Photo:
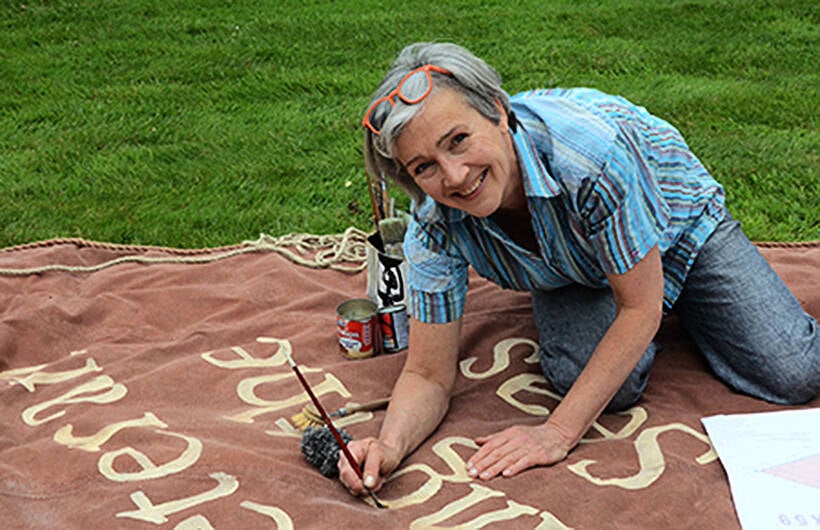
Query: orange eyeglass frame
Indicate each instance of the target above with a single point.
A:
(390, 98)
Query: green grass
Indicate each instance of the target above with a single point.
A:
(204, 123)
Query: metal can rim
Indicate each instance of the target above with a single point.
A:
(347, 305)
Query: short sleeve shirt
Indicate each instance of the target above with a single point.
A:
(605, 181)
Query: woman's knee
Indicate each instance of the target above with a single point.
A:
(783, 379)
(634, 386)
(795, 386)
(626, 397)
(562, 370)
(795, 377)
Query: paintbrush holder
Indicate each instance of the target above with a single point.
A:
(386, 274)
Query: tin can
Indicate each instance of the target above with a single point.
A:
(356, 323)
(395, 328)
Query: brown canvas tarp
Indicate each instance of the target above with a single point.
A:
(157, 394)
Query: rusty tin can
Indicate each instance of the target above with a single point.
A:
(356, 323)
(394, 327)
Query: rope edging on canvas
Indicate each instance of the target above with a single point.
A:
(788, 244)
(346, 252)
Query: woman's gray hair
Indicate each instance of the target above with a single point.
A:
(477, 81)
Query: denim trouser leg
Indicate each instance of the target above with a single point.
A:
(570, 322)
(744, 319)
(751, 328)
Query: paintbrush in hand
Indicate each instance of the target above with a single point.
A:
(329, 424)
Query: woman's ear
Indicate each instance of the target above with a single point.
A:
(507, 120)
(503, 120)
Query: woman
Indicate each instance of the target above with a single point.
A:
(602, 212)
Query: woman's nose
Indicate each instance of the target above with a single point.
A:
(454, 172)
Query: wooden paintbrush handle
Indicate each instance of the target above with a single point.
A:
(370, 405)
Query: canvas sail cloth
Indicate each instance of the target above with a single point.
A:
(157, 394)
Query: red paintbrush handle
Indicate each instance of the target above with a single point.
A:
(321, 409)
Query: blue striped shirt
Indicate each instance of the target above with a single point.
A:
(605, 182)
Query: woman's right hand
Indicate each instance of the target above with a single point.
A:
(376, 460)
(418, 402)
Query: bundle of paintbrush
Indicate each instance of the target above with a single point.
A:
(380, 201)
(390, 224)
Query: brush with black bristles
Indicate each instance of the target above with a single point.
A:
(321, 449)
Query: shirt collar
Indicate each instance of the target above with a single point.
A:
(538, 182)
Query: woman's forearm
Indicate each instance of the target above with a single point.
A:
(417, 406)
(421, 395)
(615, 357)
(638, 295)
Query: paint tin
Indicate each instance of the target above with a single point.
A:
(356, 323)
(394, 327)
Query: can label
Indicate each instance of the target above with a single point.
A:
(394, 327)
(356, 328)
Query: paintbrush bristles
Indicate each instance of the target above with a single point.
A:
(310, 417)
(321, 449)
(392, 230)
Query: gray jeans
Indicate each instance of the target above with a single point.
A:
(746, 322)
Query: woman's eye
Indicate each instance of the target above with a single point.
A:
(460, 137)
(422, 168)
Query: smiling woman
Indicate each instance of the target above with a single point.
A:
(602, 212)
(478, 84)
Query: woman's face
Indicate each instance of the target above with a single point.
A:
(460, 158)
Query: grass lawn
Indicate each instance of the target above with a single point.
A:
(202, 123)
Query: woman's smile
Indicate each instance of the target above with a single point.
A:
(469, 193)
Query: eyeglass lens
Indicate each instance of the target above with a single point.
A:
(411, 90)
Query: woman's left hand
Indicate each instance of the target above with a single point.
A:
(517, 448)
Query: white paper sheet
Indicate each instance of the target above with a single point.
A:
(773, 463)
